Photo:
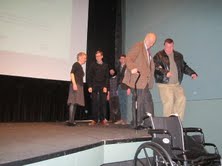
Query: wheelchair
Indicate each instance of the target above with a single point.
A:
(173, 145)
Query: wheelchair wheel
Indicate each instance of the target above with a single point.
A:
(152, 154)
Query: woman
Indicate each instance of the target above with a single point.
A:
(76, 93)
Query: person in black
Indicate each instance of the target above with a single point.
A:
(76, 94)
(113, 97)
(98, 81)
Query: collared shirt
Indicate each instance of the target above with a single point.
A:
(148, 53)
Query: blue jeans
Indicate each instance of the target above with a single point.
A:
(125, 102)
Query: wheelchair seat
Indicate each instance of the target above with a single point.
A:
(175, 145)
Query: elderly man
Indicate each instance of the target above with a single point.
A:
(139, 61)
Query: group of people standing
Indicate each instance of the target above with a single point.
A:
(128, 86)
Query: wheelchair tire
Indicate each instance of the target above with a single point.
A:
(160, 156)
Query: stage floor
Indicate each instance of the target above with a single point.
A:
(27, 142)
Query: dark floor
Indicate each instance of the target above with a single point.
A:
(23, 142)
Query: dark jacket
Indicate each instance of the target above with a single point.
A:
(162, 67)
(98, 76)
(137, 58)
(120, 76)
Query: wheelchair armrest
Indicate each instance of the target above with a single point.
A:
(209, 144)
(212, 145)
(192, 129)
(158, 131)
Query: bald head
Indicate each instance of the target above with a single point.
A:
(150, 39)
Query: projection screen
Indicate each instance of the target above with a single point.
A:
(40, 38)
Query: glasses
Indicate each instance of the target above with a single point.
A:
(98, 56)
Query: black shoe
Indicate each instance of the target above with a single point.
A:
(71, 124)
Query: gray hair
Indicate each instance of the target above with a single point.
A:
(80, 54)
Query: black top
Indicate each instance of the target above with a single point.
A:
(113, 86)
(78, 72)
(120, 76)
(98, 75)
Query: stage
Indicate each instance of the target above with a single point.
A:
(24, 143)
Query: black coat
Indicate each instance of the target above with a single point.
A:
(162, 67)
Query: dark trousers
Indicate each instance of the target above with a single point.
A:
(114, 108)
(98, 104)
(72, 112)
(143, 105)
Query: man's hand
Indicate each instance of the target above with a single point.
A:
(134, 71)
(128, 91)
(169, 74)
(194, 76)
